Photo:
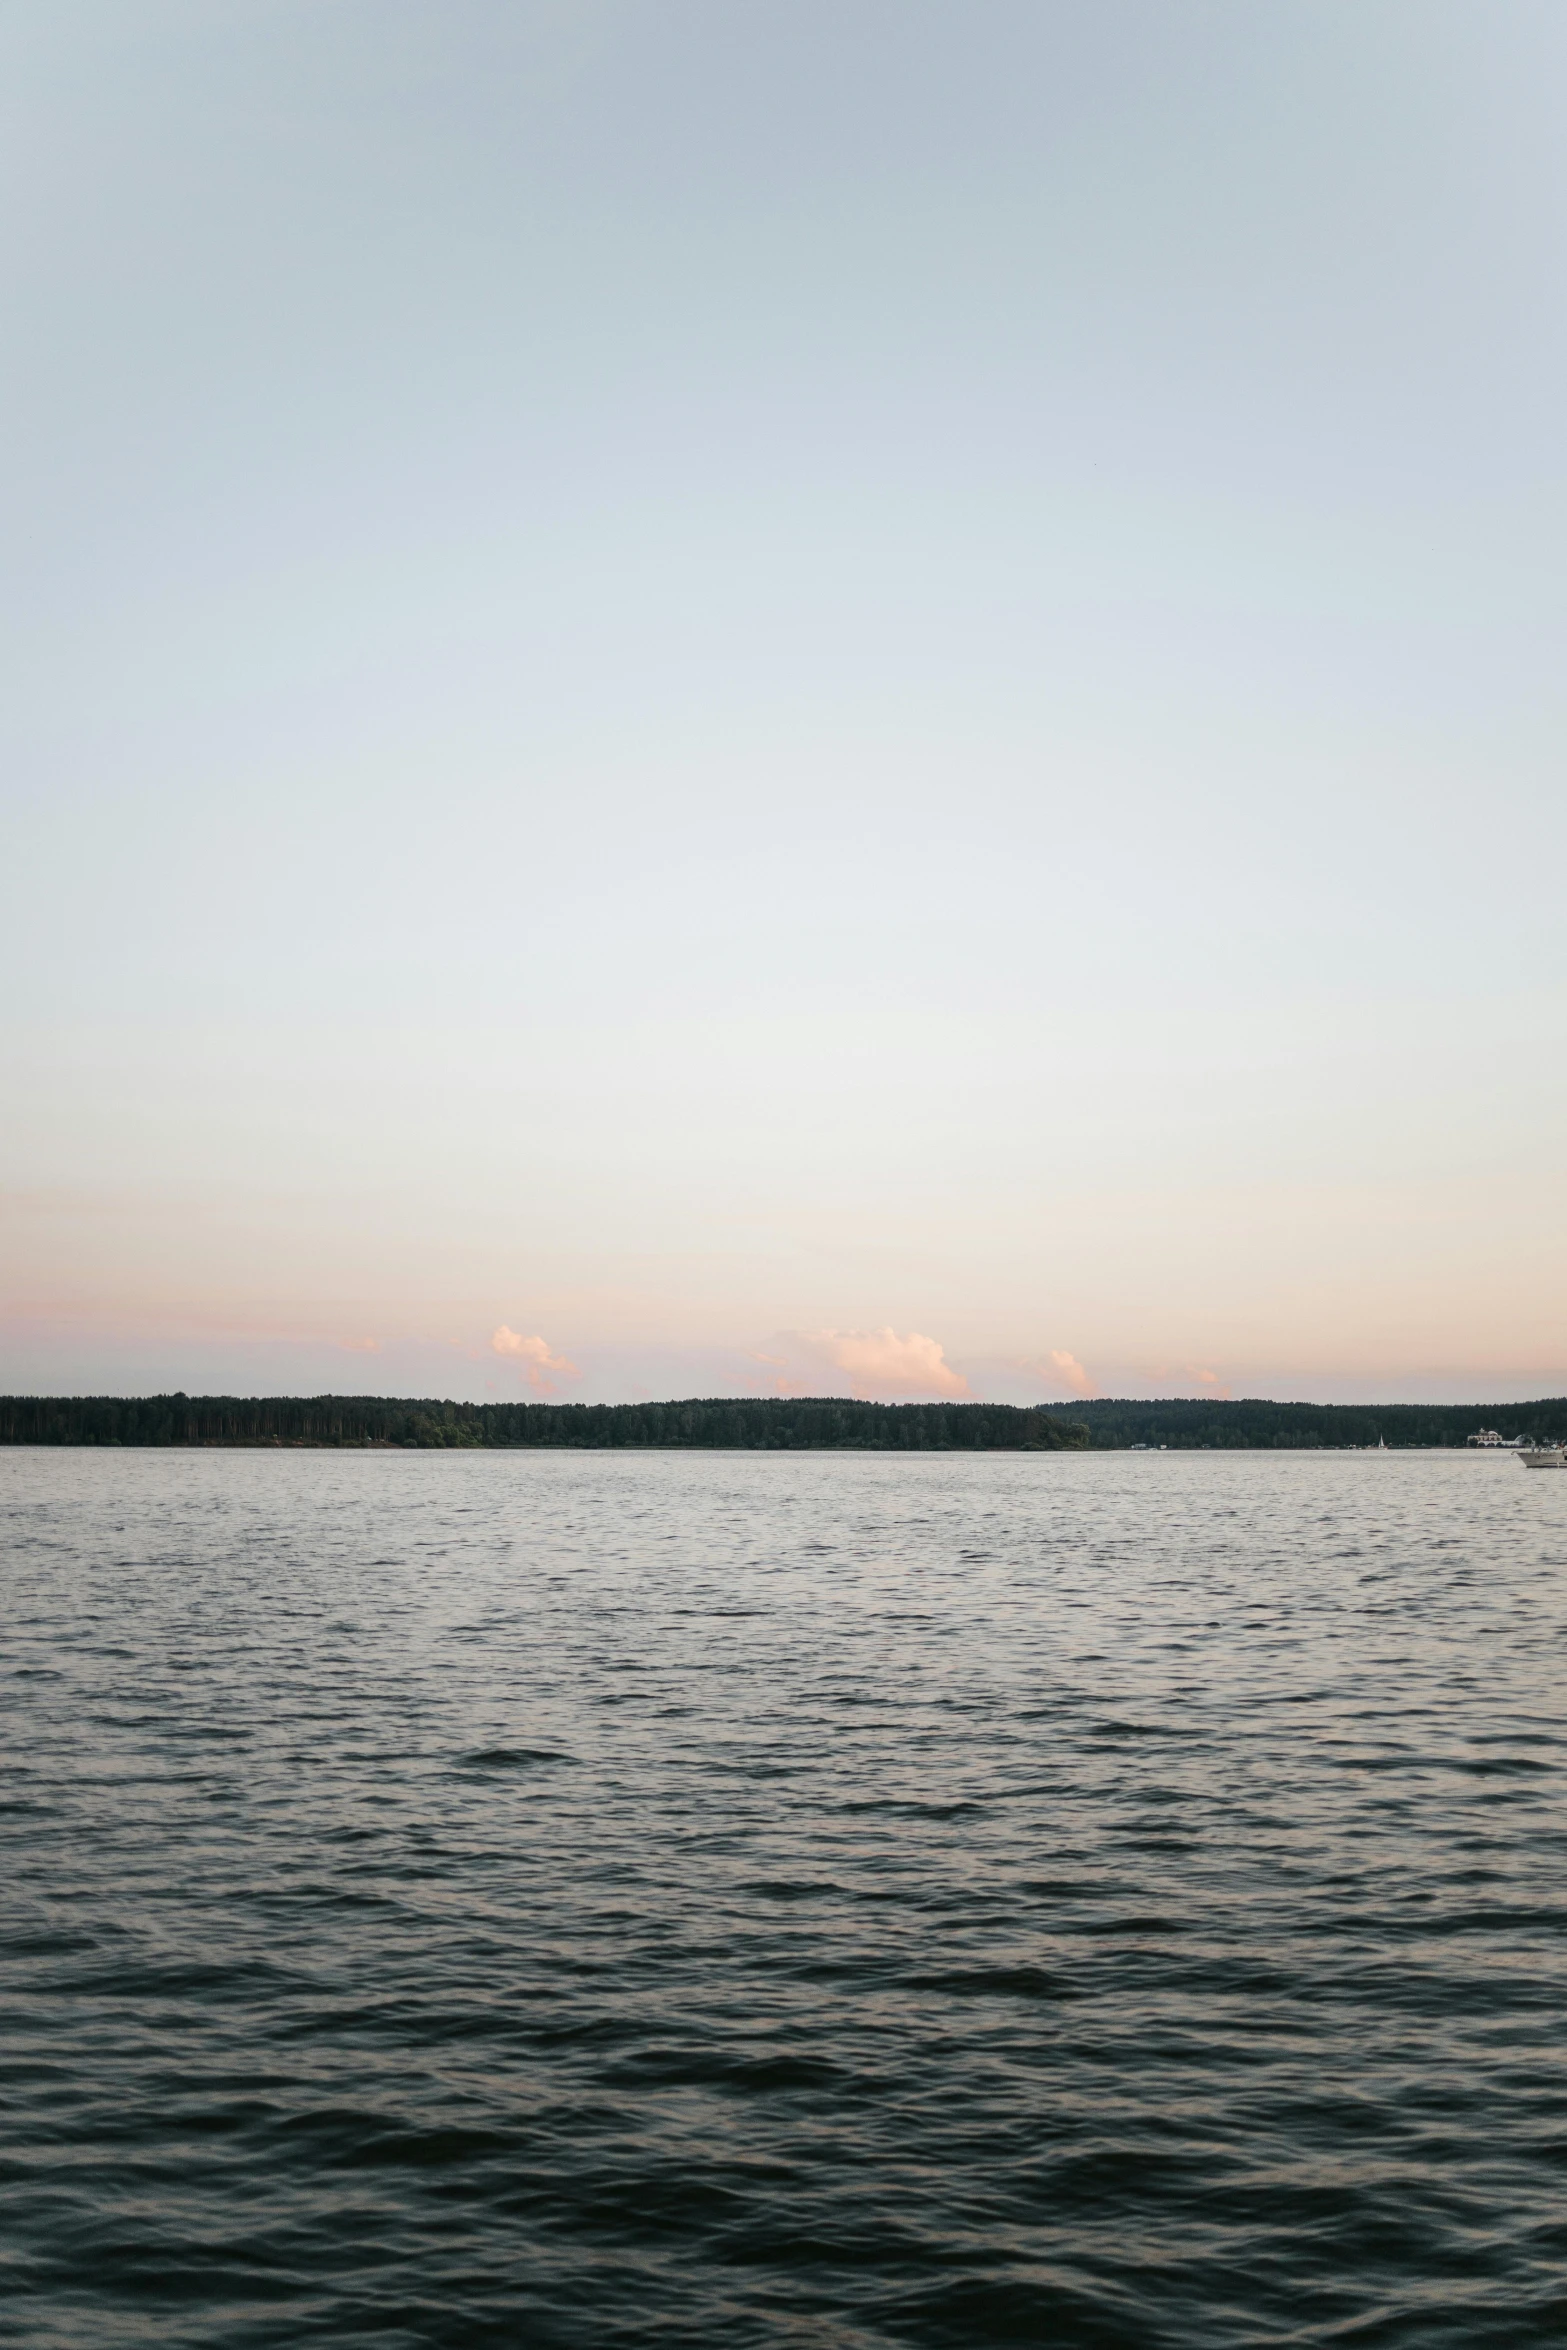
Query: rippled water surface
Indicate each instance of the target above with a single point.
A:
(788, 1901)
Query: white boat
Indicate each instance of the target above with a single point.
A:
(1541, 1456)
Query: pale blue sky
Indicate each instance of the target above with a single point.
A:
(693, 677)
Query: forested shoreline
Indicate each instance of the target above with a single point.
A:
(735, 1423)
(758, 1424)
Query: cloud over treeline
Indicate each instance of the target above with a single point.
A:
(878, 1366)
(535, 1353)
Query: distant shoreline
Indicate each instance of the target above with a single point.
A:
(757, 1424)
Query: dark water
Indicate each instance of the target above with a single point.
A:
(658, 1900)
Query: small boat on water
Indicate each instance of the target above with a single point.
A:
(1542, 1456)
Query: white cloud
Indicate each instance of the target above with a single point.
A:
(882, 1366)
(1062, 1371)
(536, 1354)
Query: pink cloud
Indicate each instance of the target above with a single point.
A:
(780, 1375)
(535, 1353)
(1190, 1378)
(883, 1367)
(1071, 1372)
(1059, 1369)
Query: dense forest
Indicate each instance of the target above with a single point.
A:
(750, 1423)
(760, 1424)
(1196, 1423)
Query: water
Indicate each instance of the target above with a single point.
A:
(828, 1901)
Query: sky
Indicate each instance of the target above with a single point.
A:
(783, 698)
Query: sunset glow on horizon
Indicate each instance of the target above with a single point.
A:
(813, 702)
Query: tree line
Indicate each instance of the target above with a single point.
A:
(1200, 1423)
(760, 1423)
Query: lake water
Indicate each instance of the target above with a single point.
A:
(818, 1902)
